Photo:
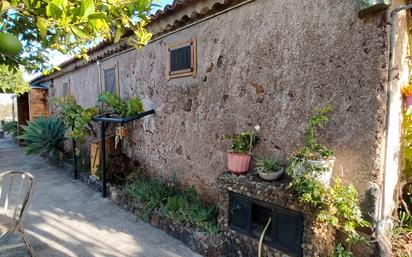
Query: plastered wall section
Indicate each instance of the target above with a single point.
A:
(84, 85)
(400, 76)
(269, 63)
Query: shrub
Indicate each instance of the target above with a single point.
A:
(44, 135)
(10, 128)
(77, 118)
(125, 108)
(153, 193)
(186, 206)
(173, 203)
(338, 205)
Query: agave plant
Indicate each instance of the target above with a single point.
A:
(44, 135)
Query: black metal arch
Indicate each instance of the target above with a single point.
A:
(105, 119)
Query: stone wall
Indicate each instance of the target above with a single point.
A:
(317, 239)
(268, 63)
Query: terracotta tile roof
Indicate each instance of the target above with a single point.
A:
(177, 4)
(178, 14)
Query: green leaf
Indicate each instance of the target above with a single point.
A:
(98, 15)
(118, 33)
(87, 7)
(14, 3)
(42, 25)
(80, 32)
(4, 7)
(27, 4)
(52, 10)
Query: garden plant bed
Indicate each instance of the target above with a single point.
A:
(199, 241)
(317, 238)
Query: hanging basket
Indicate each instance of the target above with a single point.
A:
(122, 132)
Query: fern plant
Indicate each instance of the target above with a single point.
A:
(44, 135)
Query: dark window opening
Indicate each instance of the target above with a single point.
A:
(110, 81)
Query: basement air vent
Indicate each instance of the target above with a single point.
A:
(249, 217)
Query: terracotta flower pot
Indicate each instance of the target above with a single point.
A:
(238, 163)
(121, 132)
(408, 101)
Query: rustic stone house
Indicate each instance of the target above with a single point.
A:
(266, 63)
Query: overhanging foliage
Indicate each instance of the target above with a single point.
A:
(67, 25)
(12, 82)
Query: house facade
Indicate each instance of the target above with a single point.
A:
(264, 62)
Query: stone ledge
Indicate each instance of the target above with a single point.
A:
(317, 240)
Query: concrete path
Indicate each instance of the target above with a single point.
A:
(67, 218)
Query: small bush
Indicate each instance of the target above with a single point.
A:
(186, 206)
(153, 193)
(173, 203)
(10, 128)
(44, 135)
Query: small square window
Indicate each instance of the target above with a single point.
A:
(181, 59)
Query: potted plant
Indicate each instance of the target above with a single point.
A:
(269, 169)
(407, 93)
(240, 152)
(121, 133)
(121, 108)
(314, 157)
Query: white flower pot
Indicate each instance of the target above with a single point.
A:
(325, 176)
(272, 175)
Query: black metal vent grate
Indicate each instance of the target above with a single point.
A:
(249, 216)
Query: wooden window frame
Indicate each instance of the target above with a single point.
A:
(182, 73)
(116, 73)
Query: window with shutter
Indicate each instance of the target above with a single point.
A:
(181, 59)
